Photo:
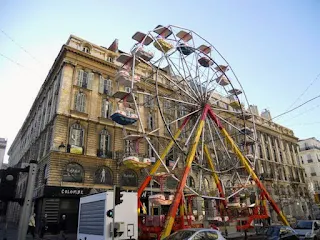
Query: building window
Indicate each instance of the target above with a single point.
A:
(150, 121)
(129, 147)
(49, 140)
(105, 86)
(80, 102)
(129, 178)
(168, 107)
(76, 135)
(84, 79)
(104, 144)
(86, 49)
(170, 158)
(148, 101)
(260, 150)
(106, 108)
(151, 154)
(191, 182)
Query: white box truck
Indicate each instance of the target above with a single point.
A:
(95, 221)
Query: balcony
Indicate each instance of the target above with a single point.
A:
(104, 154)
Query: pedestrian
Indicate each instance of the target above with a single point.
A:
(43, 226)
(309, 217)
(32, 225)
(63, 225)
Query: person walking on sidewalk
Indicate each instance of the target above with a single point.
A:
(32, 225)
(43, 226)
(63, 226)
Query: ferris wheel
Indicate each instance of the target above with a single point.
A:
(187, 102)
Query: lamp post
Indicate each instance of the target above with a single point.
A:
(61, 147)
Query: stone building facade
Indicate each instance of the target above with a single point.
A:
(78, 147)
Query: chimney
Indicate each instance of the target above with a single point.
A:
(266, 114)
(254, 109)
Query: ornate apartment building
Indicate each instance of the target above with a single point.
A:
(78, 147)
(310, 160)
(279, 166)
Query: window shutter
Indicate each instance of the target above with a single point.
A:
(107, 142)
(103, 107)
(71, 141)
(110, 109)
(101, 84)
(90, 80)
(103, 142)
(80, 77)
(81, 137)
(77, 102)
(83, 102)
(109, 86)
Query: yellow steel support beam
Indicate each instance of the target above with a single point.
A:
(247, 166)
(178, 195)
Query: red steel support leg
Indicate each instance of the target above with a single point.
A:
(177, 198)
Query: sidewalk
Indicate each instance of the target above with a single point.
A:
(12, 234)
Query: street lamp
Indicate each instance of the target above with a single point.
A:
(61, 147)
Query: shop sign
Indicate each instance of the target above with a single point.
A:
(51, 191)
(103, 175)
(73, 173)
(129, 178)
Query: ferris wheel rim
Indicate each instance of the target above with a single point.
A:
(204, 94)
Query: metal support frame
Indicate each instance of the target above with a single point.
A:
(178, 195)
(249, 169)
(158, 162)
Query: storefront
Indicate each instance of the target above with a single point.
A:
(58, 201)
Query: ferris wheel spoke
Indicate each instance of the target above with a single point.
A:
(192, 130)
(176, 120)
(235, 127)
(184, 76)
(224, 147)
(180, 101)
(158, 156)
(189, 74)
(213, 145)
(181, 89)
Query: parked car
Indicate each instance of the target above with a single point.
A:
(196, 234)
(277, 232)
(308, 229)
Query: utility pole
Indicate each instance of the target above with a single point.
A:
(114, 207)
(27, 206)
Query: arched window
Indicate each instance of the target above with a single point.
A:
(104, 144)
(76, 135)
(73, 172)
(129, 178)
(80, 102)
(103, 175)
(106, 108)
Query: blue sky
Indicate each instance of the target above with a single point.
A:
(273, 46)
